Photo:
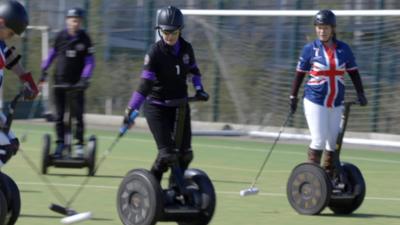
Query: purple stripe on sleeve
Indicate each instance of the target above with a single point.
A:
(193, 66)
(146, 74)
(47, 62)
(196, 80)
(89, 66)
(136, 101)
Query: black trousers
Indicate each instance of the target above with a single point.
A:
(163, 123)
(75, 100)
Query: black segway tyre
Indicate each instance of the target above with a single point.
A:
(91, 155)
(356, 187)
(139, 199)
(3, 208)
(46, 153)
(13, 198)
(308, 189)
(203, 194)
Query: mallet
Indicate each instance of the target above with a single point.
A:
(72, 216)
(252, 190)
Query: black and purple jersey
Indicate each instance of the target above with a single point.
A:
(165, 73)
(326, 67)
(73, 55)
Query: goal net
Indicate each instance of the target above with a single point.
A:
(248, 59)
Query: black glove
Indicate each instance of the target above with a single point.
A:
(202, 95)
(14, 145)
(83, 83)
(293, 104)
(362, 99)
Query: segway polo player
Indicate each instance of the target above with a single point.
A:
(164, 92)
(13, 21)
(73, 52)
(326, 59)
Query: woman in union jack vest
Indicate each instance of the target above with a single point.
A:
(326, 60)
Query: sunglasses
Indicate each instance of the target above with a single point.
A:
(167, 32)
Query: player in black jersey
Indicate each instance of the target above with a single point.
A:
(163, 87)
(73, 53)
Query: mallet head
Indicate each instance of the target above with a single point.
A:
(249, 191)
(62, 210)
(76, 218)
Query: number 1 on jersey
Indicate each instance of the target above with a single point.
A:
(178, 70)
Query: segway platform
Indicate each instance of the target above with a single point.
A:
(68, 161)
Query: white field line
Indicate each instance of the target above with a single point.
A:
(218, 192)
(235, 148)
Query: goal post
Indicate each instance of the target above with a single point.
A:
(248, 58)
(290, 13)
(44, 49)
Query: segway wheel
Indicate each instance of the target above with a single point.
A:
(13, 198)
(3, 208)
(356, 188)
(308, 189)
(91, 155)
(203, 194)
(46, 153)
(139, 199)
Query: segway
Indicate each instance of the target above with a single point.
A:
(310, 189)
(191, 201)
(68, 160)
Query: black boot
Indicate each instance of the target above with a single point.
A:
(329, 163)
(157, 174)
(314, 156)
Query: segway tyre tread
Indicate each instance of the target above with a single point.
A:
(13, 198)
(201, 186)
(357, 183)
(46, 153)
(91, 156)
(3, 208)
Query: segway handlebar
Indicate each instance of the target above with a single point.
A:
(135, 114)
(355, 102)
(196, 99)
(68, 87)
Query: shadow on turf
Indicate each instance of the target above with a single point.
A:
(58, 217)
(230, 181)
(361, 215)
(29, 191)
(82, 175)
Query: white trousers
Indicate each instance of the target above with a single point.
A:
(324, 125)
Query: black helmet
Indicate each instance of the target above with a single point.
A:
(75, 12)
(325, 17)
(169, 18)
(14, 15)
